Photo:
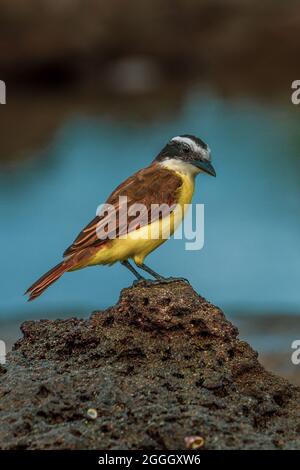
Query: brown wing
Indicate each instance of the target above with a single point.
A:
(152, 185)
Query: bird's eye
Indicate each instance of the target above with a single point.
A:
(186, 149)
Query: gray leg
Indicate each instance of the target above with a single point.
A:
(150, 271)
(160, 278)
(131, 268)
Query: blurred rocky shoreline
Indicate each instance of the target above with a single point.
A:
(135, 59)
(227, 43)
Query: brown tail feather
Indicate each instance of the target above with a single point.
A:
(46, 280)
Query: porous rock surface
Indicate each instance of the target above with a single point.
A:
(160, 366)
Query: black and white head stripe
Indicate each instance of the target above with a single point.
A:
(197, 145)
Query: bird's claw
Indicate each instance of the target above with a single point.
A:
(163, 280)
(174, 279)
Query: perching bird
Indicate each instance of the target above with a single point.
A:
(168, 181)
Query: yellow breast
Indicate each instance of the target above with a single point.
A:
(187, 189)
(138, 244)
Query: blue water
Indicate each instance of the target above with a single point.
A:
(251, 257)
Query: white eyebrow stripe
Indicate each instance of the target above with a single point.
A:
(193, 145)
(188, 141)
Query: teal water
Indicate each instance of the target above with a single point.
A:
(251, 257)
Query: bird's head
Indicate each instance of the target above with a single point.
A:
(186, 153)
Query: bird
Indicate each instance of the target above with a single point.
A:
(167, 182)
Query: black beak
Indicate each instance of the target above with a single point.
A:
(205, 166)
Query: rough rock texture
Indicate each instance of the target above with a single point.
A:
(162, 365)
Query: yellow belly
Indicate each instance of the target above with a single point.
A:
(139, 243)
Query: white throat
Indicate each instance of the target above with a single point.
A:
(180, 166)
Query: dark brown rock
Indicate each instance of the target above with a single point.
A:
(160, 366)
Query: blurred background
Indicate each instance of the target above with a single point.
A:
(94, 91)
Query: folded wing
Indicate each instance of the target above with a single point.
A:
(133, 198)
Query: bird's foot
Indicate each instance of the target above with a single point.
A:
(145, 282)
(162, 280)
(138, 282)
(174, 279)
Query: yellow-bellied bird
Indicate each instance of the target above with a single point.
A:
(167, 182)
